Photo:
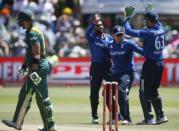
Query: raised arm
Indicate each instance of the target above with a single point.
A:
(90, 28)
(129, 12)
(89, 31)
(142, 33)
(129, 30)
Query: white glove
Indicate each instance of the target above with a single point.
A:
(23, 71)
(35, 78)
(148, 7)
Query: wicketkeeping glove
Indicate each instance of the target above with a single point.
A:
(129, 11)
(23, 70)
(35, 78)
(148, 7)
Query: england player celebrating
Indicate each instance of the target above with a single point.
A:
(100, 61)
(121, 51)
(153, 43)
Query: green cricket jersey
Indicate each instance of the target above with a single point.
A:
(35, 36)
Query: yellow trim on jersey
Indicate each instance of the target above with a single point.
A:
(35, 29)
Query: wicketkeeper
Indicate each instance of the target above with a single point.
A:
(153, 43)
(35, 68)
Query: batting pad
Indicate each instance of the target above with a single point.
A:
(45, 108)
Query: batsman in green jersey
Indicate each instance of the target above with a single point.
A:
(36, 68)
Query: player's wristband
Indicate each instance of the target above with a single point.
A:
(24, 66)
(36, 61)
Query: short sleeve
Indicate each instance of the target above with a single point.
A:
(34, 38)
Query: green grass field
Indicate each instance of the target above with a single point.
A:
(72, 110)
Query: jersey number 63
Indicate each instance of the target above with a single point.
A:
(159, 42)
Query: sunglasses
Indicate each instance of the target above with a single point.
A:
(100, 26)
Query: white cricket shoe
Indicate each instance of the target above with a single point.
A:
(149, 122)
(162, 120)
(126, 122)
(95, 121)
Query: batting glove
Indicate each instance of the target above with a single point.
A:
(23, 70)
(35, 78)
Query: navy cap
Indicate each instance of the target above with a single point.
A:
(117, 30)
(151, 16)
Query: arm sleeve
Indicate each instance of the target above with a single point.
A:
(135, 47)
(134, 32)
(89, 31)
(110, 38)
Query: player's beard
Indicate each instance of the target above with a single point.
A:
(99, 31)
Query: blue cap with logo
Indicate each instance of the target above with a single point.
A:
(117, 30)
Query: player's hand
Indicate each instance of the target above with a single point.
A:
(23, 70)
(148, 7)
(129, 12)
(35, 78)
(96, 17)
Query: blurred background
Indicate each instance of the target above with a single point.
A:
(64, 22)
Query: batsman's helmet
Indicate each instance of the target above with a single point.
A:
(26, 15)
(152, 16)
(117, 30)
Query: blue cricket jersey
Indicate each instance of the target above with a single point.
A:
(153, 40)
(122, 55)
(98, 45)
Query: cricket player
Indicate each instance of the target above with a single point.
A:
(121, 51)
(36, 69)
(100, 61)
(153, 43)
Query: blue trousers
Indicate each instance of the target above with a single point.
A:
(125, 80)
